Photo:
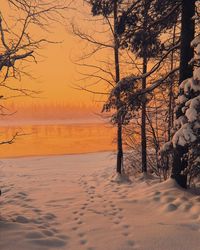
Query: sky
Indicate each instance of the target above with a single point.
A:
(55, 74)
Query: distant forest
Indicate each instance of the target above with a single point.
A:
(51, 111)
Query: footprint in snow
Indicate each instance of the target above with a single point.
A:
(83, 241)
(74, 228)
(81, 235)
(171, 207)
(79, 222)
(126, 234)
(130, 243)
(52, 242)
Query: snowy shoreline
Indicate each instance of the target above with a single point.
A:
(56, 155)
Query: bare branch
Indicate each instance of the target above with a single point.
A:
(89, 38)
(79, 87)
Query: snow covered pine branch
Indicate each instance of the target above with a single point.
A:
(187, 124)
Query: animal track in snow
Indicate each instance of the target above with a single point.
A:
(130, 243)
(79, 222)
(81, 234)
(83, 241)
(74, 228)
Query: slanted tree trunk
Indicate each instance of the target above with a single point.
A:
(186, 54)
(117, 78)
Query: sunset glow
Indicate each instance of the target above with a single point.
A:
(99, 124)
(55, 75)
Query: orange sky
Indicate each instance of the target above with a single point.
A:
(55, 72)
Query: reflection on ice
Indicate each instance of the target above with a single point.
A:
(52, 139)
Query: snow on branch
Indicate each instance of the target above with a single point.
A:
(128, 82)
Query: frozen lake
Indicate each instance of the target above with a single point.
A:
(56, 139)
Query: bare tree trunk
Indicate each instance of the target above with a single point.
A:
(171, 91)
(171, 101)
(143, 119)
(143, 124)
(117, 78)
(187, 35)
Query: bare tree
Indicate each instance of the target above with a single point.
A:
(20, 43)
(110, 73)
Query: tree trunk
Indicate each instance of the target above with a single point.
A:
(186, 71)
(117, 78)
(171, 91)
(143, 119)
(143, 124)
(187, 35)
(171, 105)
(119, 149)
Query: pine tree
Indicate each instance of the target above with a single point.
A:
(186, 54)
(187, 136)
(138, 34)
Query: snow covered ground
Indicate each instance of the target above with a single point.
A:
(72, 202)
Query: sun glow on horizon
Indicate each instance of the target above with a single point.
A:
(55, 74)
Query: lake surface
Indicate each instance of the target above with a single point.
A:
(57, 139)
